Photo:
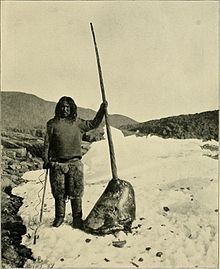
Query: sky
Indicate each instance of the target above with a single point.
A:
(158, 58)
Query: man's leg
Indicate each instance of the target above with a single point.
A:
(57, 181)
(76, 205)
(60, 206)
(75, 188)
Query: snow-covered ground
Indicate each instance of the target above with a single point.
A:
(176, 188)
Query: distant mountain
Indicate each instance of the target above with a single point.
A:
(203, 125)
(27, 111)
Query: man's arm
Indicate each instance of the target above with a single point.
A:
(87, 125)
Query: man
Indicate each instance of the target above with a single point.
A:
(62, 155)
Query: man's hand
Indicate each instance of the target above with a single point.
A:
(104, 105)
(46, 165)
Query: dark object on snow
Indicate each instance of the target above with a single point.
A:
(166, 208)
(159, 254)
(115, 209)
(119, 244)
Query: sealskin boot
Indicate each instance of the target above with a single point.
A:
(76, 205)
(60, 206)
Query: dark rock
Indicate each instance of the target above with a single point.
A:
(25, 252)
(10, 153)
(140, 259)
(20, 152)
(107, 260)
(9, 253)
(133, 263)
(15, 166)
(8, 190)
(159, 254)
(148, 248)
(119, 244)
(8, 144)
(166, 209)
(88, 240)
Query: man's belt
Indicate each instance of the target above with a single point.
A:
(61, 160)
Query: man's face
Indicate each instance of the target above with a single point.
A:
(65, 109)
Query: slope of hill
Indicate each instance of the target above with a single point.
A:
(117, 120)
(27, 111)
(200, 125)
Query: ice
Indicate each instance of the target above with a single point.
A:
(177, 174)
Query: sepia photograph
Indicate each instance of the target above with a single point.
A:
(109, 134)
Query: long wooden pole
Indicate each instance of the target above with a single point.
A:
(43, 197)
(42, 206)
(108, 128)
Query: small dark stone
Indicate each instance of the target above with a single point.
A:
(107, 260)
(164, 214)
(28, 236)
(25, 252)
(88, 240)
(188, 188)
(133, 263)
(162, 225)
(141, 260)
(159, 254)
(166, 208)
(191, 199)
(149, 228)
(119, 244)
(148, 248)
(62, 259)
(172, 231)
(216, 210)
(142, 218)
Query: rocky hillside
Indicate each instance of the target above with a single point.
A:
(16, 160)
(21, 152)
(27, 111)
(200, 125)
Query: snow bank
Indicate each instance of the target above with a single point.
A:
(175, 183)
